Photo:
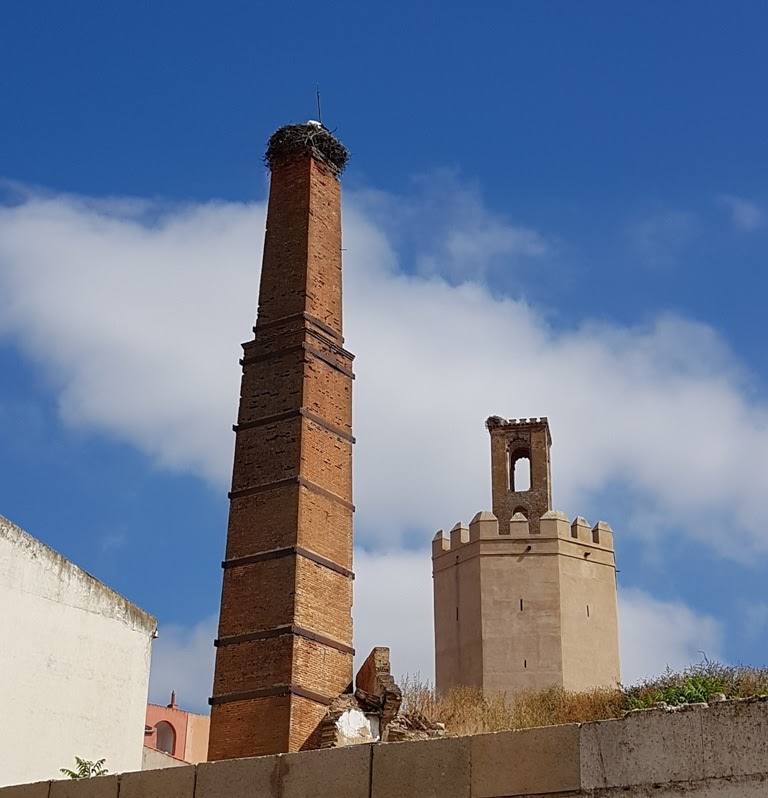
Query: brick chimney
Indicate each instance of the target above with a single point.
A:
(284, 649)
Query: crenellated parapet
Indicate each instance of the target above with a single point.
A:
(552, 525)
(499, 423)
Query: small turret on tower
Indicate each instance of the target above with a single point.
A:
(518, 443)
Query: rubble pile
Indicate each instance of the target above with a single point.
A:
(373, 712)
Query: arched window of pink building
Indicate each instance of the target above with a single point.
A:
(166, 737)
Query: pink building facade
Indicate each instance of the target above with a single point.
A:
(180, 734)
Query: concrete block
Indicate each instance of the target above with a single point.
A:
(329, 773)
(652, 746)
(37, 790)
(97, 787)
(166, 783)
(527, 762)
(427, 769)
(735, 735)
(326, 773)
(238, 778)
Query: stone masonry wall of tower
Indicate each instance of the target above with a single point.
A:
(284, 647)
(523, 598)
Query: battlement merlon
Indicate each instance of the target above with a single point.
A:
(497, 423)
(553, 524)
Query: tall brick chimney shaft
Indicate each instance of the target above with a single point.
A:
(285, 631)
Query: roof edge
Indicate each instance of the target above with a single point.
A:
(127, 611)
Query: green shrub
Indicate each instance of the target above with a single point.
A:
(85, 769)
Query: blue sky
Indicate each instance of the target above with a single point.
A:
(550, 209)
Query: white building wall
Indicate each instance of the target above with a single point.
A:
(74, 665)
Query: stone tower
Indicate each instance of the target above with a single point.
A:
(523, 599)
(284, 647)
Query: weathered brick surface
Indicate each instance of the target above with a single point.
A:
(291, 483)
(325, 527)
(254, 727)
(326, 459)
(271, 386)
(263, 521)
(323, 600)
(282, 440)
(319, 667)
(254, 664)
(323, 285)
(327, 394)
(257, 596)
(306, 716)
(283, 283)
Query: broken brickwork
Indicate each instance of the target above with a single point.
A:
(373, 712)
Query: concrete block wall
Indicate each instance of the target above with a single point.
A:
(719, 751)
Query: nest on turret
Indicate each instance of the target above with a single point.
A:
(494, 421)
(311, 138)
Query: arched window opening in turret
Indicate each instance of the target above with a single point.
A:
(520, 471)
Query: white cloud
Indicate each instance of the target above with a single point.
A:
(656, 634)
(128, 315)
(182, 660)
(450, 231)
(745, 215)
(393, 607)
(135, 312)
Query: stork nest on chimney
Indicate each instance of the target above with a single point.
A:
(312, 139)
